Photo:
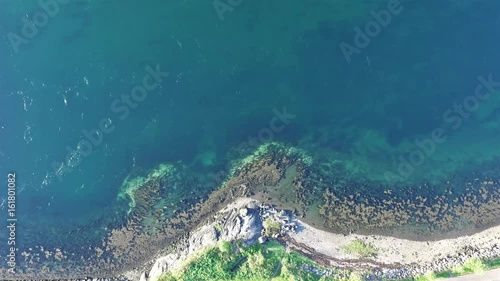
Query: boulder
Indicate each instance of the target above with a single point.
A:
(243, 212)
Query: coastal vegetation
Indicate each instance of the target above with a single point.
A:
(471, 266)
(268, 261)
(273, 261)
(360, 249)
(271, 226)
(429, 276)
(474, 265)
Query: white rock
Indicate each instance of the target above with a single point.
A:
(262, 239)
(243, 212)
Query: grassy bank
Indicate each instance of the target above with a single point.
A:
(360, 249)
(272, 261)
(472, 266)
(268, 261)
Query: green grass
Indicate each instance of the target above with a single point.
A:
(359, 248)
(355, 277)
(218, 227)
(472, 266)
(271, 226)
(490, 264)
(429, 276)
(268, 261)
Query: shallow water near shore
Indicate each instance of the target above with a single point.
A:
(404, 114)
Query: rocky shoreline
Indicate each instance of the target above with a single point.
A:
(244, 220)
(287, 178)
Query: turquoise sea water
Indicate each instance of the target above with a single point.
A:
(228, 77)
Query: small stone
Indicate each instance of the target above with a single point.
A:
(243, 212)
(253, 205)
(262, 239)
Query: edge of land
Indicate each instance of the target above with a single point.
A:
(244, 219)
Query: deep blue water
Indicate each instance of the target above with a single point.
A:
(225, 79)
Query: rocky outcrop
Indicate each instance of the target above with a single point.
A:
(244, 224)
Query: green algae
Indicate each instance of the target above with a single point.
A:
(267, 149)
(132, 184)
